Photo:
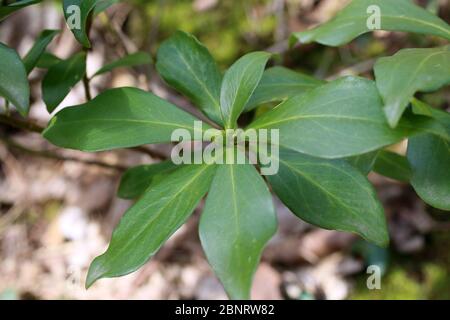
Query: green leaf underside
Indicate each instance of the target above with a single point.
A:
(86, 8)
(186, 65)
(151, 221)
(134, 59)
(47, 60)
(6, 10)
(429, 157)
(278, 84)
(237, 222)
(400, 76)
(393, 165)
(119, 118)
(331, 194)
(60, 79)
(239, 83)
(13, 79)
(340, 119)
(364, 162)
(35, 53)
(135, 181)
(351, 22)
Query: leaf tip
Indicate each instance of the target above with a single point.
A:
(96, 272)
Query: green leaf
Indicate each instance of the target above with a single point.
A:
(363, 162)
(330, 194)
(136, 180)
(237, 222)
(47, 60)
(13, 79)
(278, 84)
(151, 221)
(60, 79)
(352, 21)
(340, 119)
(410, 70)
(77, 14)
(35, 53)
(134, 59)
(6, 10)
(239, 83)
(185, 64)
(441, 116)
(429, 157)
(393, 165)
(118, 118)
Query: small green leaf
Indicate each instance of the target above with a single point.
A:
(279, 84)
(77, 13)
(35, 53)
(13, 79)
(330, 194)
(60, 79)
(410, 70)
(239, 83)
(118, 118)
(441, 116)
(363, 162)
(429, 157)
(6, 10)
(359, 17)
(392, 165)
(237, 222)
(136, 180)
(340, 119)
(134, 59)
(185, 64)
(47, 60)
(151, 221)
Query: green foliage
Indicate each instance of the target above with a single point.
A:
(410, 70)
(13, 79)
(331, 135)
(6, 10)
(60, 79)
(352, 21)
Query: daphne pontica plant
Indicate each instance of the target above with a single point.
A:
(331, 135)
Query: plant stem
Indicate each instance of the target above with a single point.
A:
(20, 124)
(7, 110)
(50, 155)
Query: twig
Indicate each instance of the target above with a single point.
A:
(50, 155)
(20, 124)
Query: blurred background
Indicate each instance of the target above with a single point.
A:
(58, 207)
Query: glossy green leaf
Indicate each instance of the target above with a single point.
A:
(340, 119)
(392, 165)
(118, 118)
(136, 180)
(363, 162)
(13, 79)
(151, 221)
(77, 14)
(239, 83)
(47, 60)
(358, 18)
(185, 64)
(134, 59)
(429, 157)
(400, 76)
(6, 10)
(237, 222)
(279, 84)
(330, 194)
(60, 79)
(35, 53)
